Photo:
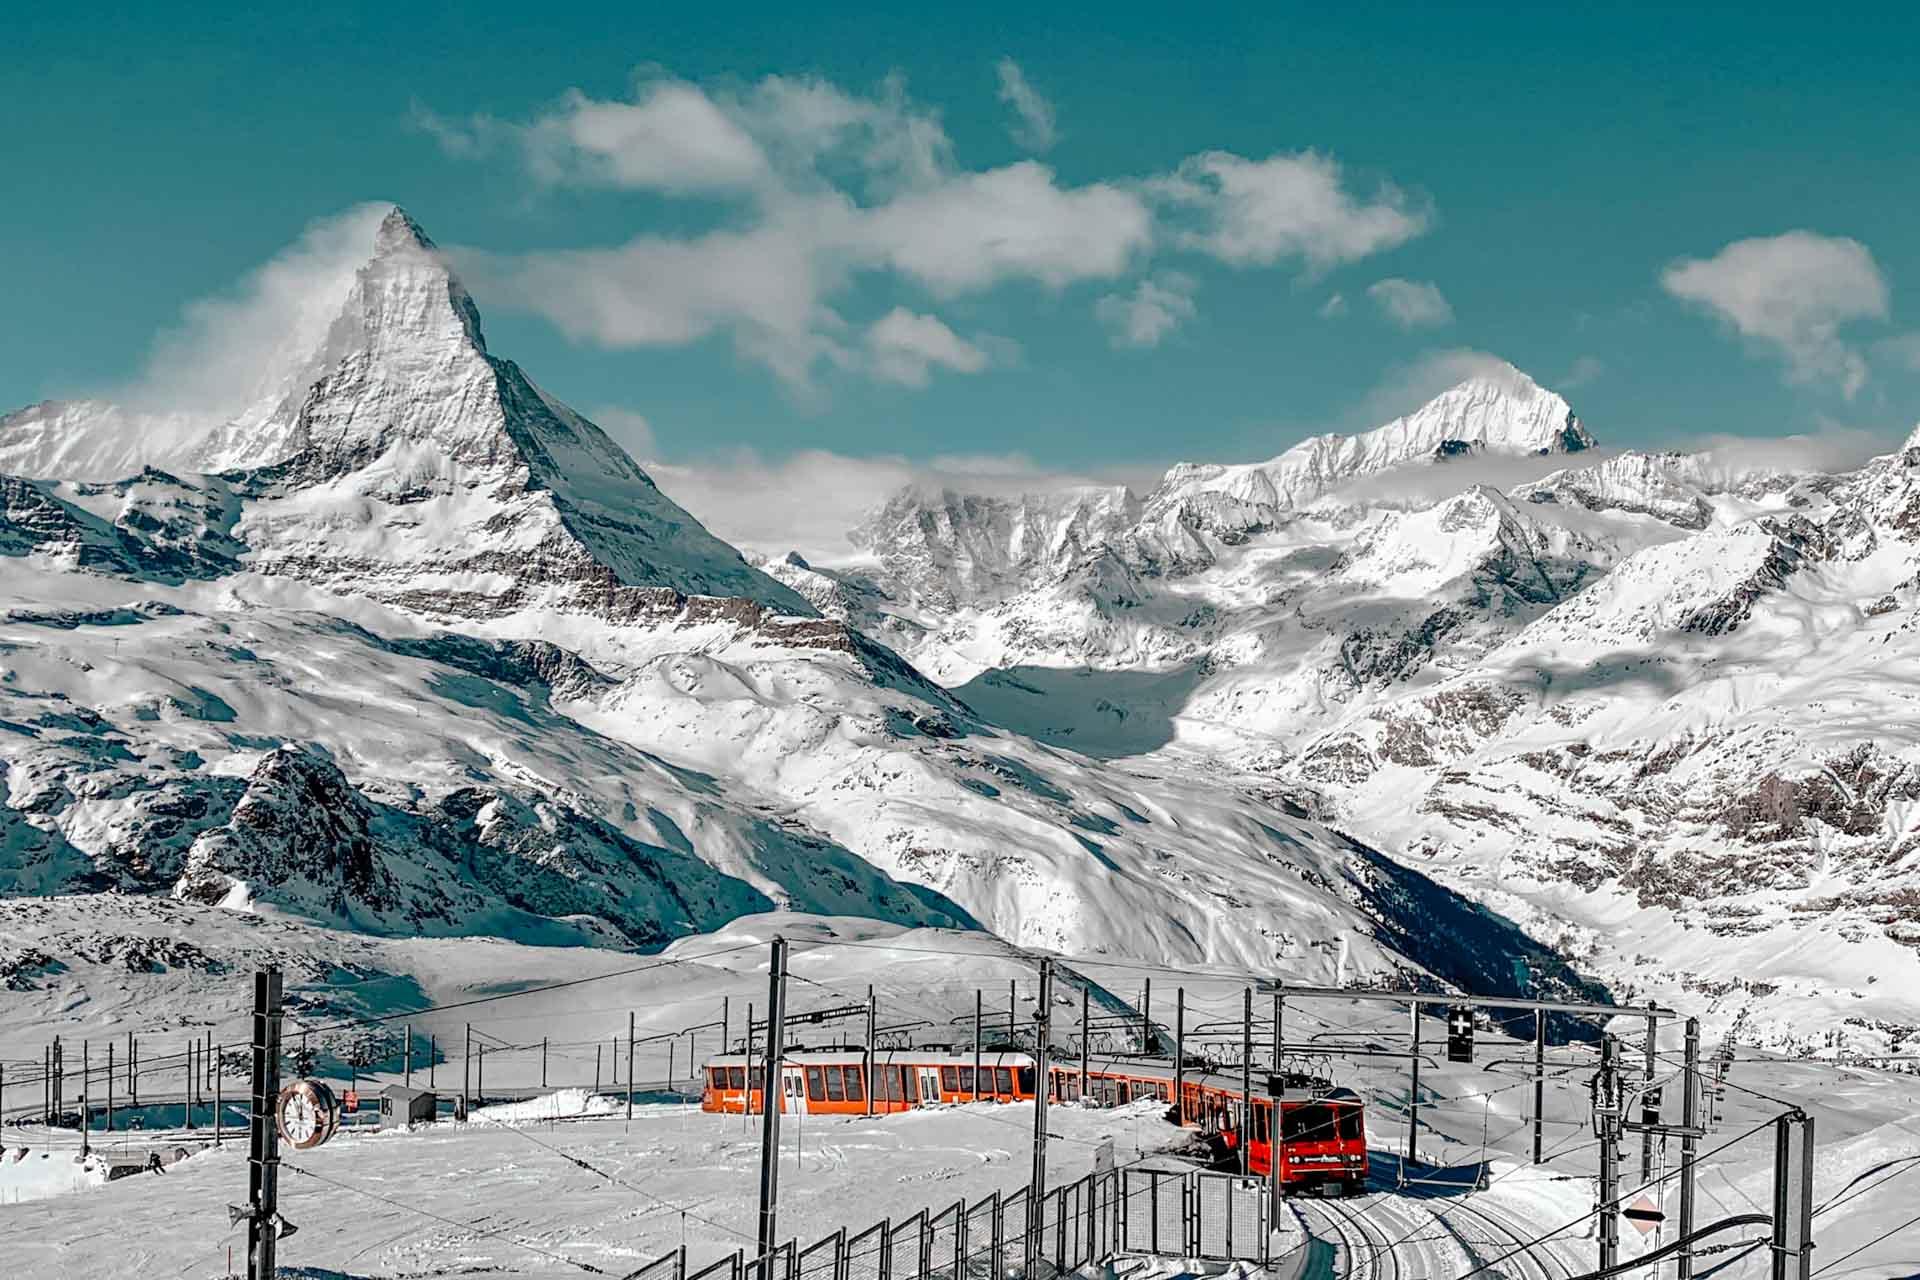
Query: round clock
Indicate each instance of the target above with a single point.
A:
(308, 1113)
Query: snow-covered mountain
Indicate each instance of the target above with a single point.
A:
(431, 656)
(1651, 705)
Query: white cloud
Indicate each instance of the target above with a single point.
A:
(1156, 307)
(232, 350)
(1036, 130)
(818, 189)
(808, 501)
(1259, 212)
(977, 229)
(1334, 306)
(1792, 292)
(905, 347)
(1411, 304)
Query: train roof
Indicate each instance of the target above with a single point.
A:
(1133, 1066)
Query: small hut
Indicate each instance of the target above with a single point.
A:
(401, 1106)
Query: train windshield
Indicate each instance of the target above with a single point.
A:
(1316, 1122)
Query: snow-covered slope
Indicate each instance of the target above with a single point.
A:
(1649, 704)
(441, 660)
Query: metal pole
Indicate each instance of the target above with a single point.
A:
(867, 1066)
(1689, 1117)
(1803, 1269)
(86, 1120)
(1146, 1015)
(976, 1042)
(596, 1066)
(1086, 1051)
(1037, 1185)
(1607, 1122)
(1781, 1152)
(406, 1070)
(1179, 1054)
(433, 1057)
(726, 1026)
(216, 1095)
(1413, 1093)
(1540, 1081)
(480, 1075)
(133, 1070)
(1646, 1138)
(1246, 1084)
(59, 1079)
(746, 1102)
(190, 1080)
(1279, 1016)
(543, 1063)
(263, 1155)
(466, 1075)
(1013, 1006)
(770, 1110)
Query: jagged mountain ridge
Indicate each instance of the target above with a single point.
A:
(438, 658)
(1602, 700)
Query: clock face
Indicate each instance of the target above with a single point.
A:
(307, 1113)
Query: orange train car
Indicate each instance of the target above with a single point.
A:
(1322, 1130)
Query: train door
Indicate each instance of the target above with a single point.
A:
(929, 1084)
(793, 1087)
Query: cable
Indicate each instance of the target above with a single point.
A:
(428, 1213)
(1869, 1244)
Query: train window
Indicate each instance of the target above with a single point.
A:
(736, 1077)
(909, 1085)
(1026, 1080)
(950, 1079)
(1262, 1122)
(856, 1091)
(966, 1079)
(1003, 1081)
(816, 1088)
(759, 1077)
(836, 1086)
(1310, 1123)
(1349, 1123)
(1125, 1091)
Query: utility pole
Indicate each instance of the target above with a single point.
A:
(726, 1026)
(480, 1073)
(1540, 1081)
(1413, 1094)
(263, 1154)
(1037, 1185)
(86, 1120)
(1180, 1053)
(1279, 1013)
(770, 1110)
(867, 1071)
(109, 1087)
(976, 1043)
(1689, 1145)
(406, 1069)
(543, 1064)
(1146, 1015)
(1646, 1136)
(1013, 1007)
(217, 1100)
(1246, 1084)
(1086, 1043)
(466, 1075)
(1606, 1121)
(133, 1070)
(59, 1080)
(191, 1080)
(433, 1057)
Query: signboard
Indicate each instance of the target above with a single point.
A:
(1644, 1214)
(1460, 1033)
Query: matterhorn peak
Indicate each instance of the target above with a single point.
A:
(398, 232)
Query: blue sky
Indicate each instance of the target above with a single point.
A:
(1090, 240)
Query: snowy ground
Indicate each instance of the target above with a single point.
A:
(499, 1196)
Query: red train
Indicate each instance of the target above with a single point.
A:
(1323, 1140)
